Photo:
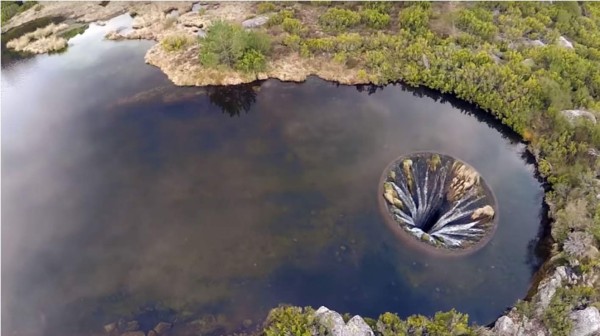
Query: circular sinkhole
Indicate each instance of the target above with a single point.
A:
(437, 203)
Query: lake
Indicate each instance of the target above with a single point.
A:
(125, 197)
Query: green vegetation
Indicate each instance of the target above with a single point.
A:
(292, 26)
(278, 18)
(556, 317)
(265, 7)
(175, 42)
(375, 19)
(70, 33)
(296, 321)
(231, 46)
(289, 321)
(12, 8)
(336, 19)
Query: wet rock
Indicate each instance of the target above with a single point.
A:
(162, 327)
(572, 115)
(131, 326)
(563, 42)
(255, 22)
(586, 322)
(133, 333)
(335, 326)
(111, 328)
(485, 211)
(152, 333)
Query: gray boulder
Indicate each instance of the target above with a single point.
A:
(255, 22)
(571, 115)
(586, 322)
(335, 326)
(563, 42)
(505, 327)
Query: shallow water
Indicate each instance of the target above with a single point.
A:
(127, 197)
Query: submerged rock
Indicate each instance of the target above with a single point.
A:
(586, 322)
(162, 327)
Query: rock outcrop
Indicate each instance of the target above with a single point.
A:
(335, 325)
(586, 322)
(573, 115)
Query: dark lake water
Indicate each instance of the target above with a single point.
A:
(124, 196)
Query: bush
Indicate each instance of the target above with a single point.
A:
(292, 26)
(278, 18)
(232, 46)
(292, 41)
(290, 321)
(175, 42)
(252, 61)
(265, 7)
(336, 19)
(375, 19)
(414, 18)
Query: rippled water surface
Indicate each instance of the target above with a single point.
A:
(126, 197)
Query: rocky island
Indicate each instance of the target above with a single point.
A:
(528, 64)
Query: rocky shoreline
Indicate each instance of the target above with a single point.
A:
(158, 21)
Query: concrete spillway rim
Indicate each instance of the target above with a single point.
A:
(414, 242)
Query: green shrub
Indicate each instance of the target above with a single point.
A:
(292, 26)
(252, 61)
(292, 41)
(340, 57)
(290, 321)
(375, 19)
(348, 42)
(278, 18)
(336, 19)
(473, 23)
(383, 7)
(414, 18)
(232, 46)
(265, 7)
(175, 42)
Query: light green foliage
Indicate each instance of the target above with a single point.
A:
(414, 18)
(336, 19)
(290, 321)
(175, 42)
(265, 7)
(292, 26)
(12, 8)
(251, 61)
(384, 7)
(232, 46)
(292, 41)
(374, 18)
(278, 18)
(477, 22)
(450, 323)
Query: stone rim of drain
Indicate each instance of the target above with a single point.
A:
(437, 203)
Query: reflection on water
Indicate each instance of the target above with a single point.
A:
(126, 197)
